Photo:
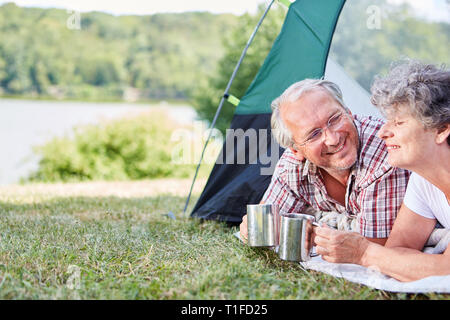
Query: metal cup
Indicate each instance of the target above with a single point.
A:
(263, 225)
(296, 237)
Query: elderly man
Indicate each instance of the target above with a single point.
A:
(333, 161)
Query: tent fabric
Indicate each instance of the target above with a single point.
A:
(232, 186)
(356, 98)
(300, 51)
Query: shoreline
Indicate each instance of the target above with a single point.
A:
(100, 101)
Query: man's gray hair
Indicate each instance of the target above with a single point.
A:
(421, 89)
(292, 94)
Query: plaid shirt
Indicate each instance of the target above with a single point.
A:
(375, 190)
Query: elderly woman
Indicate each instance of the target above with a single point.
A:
(414, 98)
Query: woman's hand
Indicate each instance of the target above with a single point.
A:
(340, 246)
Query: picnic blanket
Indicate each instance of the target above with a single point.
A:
(375, 279)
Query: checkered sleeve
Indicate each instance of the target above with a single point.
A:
(281, 194)
(380, 202)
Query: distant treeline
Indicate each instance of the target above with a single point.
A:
(160, 56)
(188, 55)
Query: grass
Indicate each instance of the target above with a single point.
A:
(66, 241)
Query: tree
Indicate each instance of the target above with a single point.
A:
(207, 95)
(160, 55)
(364, 51)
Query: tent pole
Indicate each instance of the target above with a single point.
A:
(223, 100)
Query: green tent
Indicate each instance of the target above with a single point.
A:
(243, 169)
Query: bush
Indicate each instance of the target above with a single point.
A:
(125, 149)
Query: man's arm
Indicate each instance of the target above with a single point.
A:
(243, 230)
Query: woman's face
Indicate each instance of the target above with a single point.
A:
(408, 142)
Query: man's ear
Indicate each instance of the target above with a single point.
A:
(298, 154)
(443, 134)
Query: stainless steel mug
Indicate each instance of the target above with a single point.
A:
(263, 225)
(296, 237)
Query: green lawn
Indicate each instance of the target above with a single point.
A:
(58, 242)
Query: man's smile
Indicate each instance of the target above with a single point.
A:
(392, 147)
(338, 149)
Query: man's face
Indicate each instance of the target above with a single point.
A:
(337, 147)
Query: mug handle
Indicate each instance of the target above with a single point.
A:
(312, 255)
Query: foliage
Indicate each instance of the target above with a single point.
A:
(207, 96)
(367, 51)
(160, 55)
(131, 148)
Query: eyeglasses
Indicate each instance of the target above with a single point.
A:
(334, 123)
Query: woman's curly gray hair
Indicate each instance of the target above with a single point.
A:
(423, 89)
(292, 94)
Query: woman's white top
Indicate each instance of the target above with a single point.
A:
(427, 200)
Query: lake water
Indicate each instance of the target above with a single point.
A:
(25, 123)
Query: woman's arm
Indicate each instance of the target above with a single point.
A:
(401, 258)
(406, 264)
(410, 230)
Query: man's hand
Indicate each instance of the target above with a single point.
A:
(340, 246)
(243, 229)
